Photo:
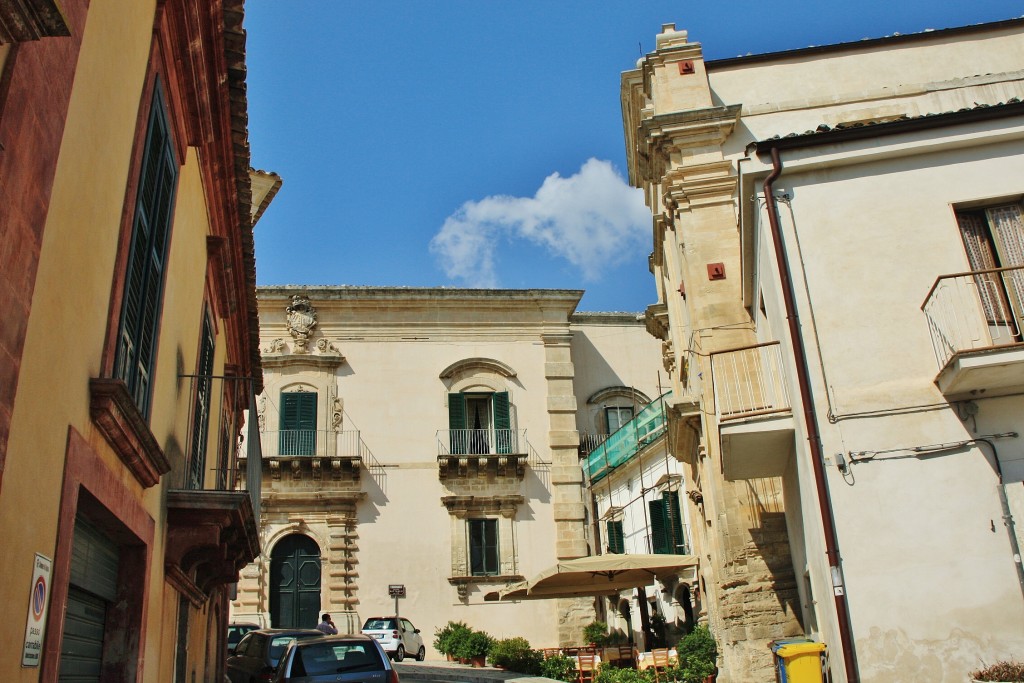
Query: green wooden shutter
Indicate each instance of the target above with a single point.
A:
(502, 422)
(659, 527)
(298, 423)
(675, 522)
(458, 437)
(144, 276)
(616, 539)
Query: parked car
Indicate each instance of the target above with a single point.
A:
(256, 655)
(235, 633)
(397, 636)
(336, 658)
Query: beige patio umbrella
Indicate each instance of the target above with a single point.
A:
(599, 575)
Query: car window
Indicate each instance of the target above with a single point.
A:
(329, 658)
(407, 625)
(279, 643)
(379, 624)
(243, 644)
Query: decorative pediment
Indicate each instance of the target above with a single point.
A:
(461, 506)
(470, 365)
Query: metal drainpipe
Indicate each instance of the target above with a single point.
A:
(811, 420)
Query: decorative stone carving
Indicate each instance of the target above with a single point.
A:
(668, 356)
(337, 411)
(302, 318)
(276, 346)
(262, 414)
(325, 346)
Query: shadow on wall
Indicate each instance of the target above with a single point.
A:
(770, 536)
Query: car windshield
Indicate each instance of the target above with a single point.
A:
(378, 624)
(235, 632)
(279, 643)
(317, 659)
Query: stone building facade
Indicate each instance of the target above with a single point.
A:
(855, 453)
(430, 438)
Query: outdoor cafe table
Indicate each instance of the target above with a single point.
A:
(645, 660)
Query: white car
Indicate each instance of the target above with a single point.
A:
(397, 636)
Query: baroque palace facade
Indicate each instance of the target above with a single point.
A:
(838, 251)
(129, 347)
(431, 438)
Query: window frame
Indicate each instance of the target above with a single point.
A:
(146, 262)
(478, 553)
(202, 406)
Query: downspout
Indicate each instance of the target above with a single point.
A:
(811, 420)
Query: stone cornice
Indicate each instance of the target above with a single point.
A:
(699, 183)
(118, 418)
(677, 131)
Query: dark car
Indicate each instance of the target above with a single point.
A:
(235, 633)
(336, 658)
(255, 658)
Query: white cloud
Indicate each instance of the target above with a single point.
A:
(592, 219)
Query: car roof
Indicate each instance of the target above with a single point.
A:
(287, 631)
(351, 637)
(244, 623)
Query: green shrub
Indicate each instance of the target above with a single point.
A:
(608, 674)
(558, 667)
(697, 655)
(473, 644)
(446, 639)
(515, 654)
(596, 632)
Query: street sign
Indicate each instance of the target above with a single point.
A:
(38, 601)
(396, 590)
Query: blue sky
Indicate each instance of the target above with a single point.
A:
(479, 143)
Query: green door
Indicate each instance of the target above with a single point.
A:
(295, 583)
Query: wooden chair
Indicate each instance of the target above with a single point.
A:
(627, 656)
(586, 667)
(551, 652)
(660, 662)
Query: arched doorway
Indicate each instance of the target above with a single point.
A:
(295, 583)
(686, 603)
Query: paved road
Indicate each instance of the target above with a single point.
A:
(441, 671)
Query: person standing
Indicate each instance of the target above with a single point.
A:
(326, 626)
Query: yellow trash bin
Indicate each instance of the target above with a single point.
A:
(799, 660)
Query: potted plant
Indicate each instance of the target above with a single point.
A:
(697, 655)
(446, 639)
(596, 633)
(1001, 672)
(474, 648)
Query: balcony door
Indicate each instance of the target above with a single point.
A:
(994, 238)
(479, 423)
(298, 423)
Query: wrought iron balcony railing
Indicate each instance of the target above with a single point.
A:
(312, 442)
(975, 310)
(481, 442)
(627, 441)
(749, 381)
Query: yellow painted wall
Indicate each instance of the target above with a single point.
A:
(69, 309)
(68, 324)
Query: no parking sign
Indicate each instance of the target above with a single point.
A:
(38, 601)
